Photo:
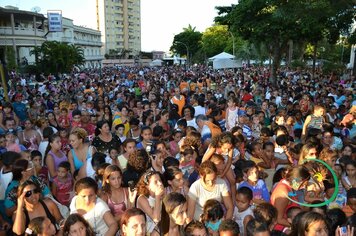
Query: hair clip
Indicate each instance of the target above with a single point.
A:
(28, 231)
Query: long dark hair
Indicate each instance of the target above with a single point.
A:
(50, 140)
(74, 218)
(170, 202)
(99, 125)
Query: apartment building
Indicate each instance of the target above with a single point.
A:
(120, 24)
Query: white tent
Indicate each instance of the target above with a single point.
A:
(222, 55)
(226, 63)
(156, 62)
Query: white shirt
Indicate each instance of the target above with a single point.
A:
(95, 216)
(198, 193)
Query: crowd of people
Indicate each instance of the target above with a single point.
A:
(179, 151)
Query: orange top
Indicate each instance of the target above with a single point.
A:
(183, 85)
(179, 102)
(214, 129)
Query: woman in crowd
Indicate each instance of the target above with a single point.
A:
(309, 150)
(310, 224)
(52, 121)
(209, 186)
(175, 205)
(41, 124)
(117, 197)
(293, 180)
(23, 170)
(75, 225)
(175, 182)
(104, 140)
(188, 114)
(137, 164)
(54, 155)
(30, 206)
(80, 152)
(107, 115)
(30, 138)
(133, 222)
(7, 112)
(92, 208)
(150, 193)
(162, 120)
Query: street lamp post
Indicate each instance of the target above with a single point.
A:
(187, 62)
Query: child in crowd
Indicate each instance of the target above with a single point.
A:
(11, 144)
(186, 162)
(258, 186)
(315, 120)
(63, 119)
(212, 216)
(173, 145)
(63, 134)
(256, 127)
(120, 132)
(231, 113)
(113, 154)
(129, 147)
(146, 139)
(281, 152)
(349, 181)
(2, 144)
(26, 154)
(40, 170)
(62, 186)
(243, 212)
(228, 228)
(268, 152)
(350, 209)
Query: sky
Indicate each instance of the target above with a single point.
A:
(160, 19)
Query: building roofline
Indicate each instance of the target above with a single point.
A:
(9, 11)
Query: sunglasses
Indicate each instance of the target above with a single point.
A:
(30, 192)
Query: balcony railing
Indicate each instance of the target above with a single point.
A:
(21, 31)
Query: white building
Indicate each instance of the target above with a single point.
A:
(86, 38)
(23, 30)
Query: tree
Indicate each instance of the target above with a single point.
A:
(215, 40)
(56, 57)
(10, 58)
(276, 23)
(188, 40)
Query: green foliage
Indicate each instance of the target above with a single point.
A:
(188, 39)
(55, 57)
(275, 22)
(215, 40)
(298, 64)
(10, 58)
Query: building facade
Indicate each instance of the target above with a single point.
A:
(120, 24)
(20, 31)
(23, 30)
(88, 39)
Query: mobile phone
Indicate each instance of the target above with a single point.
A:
(343, 231)
(132, 185)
